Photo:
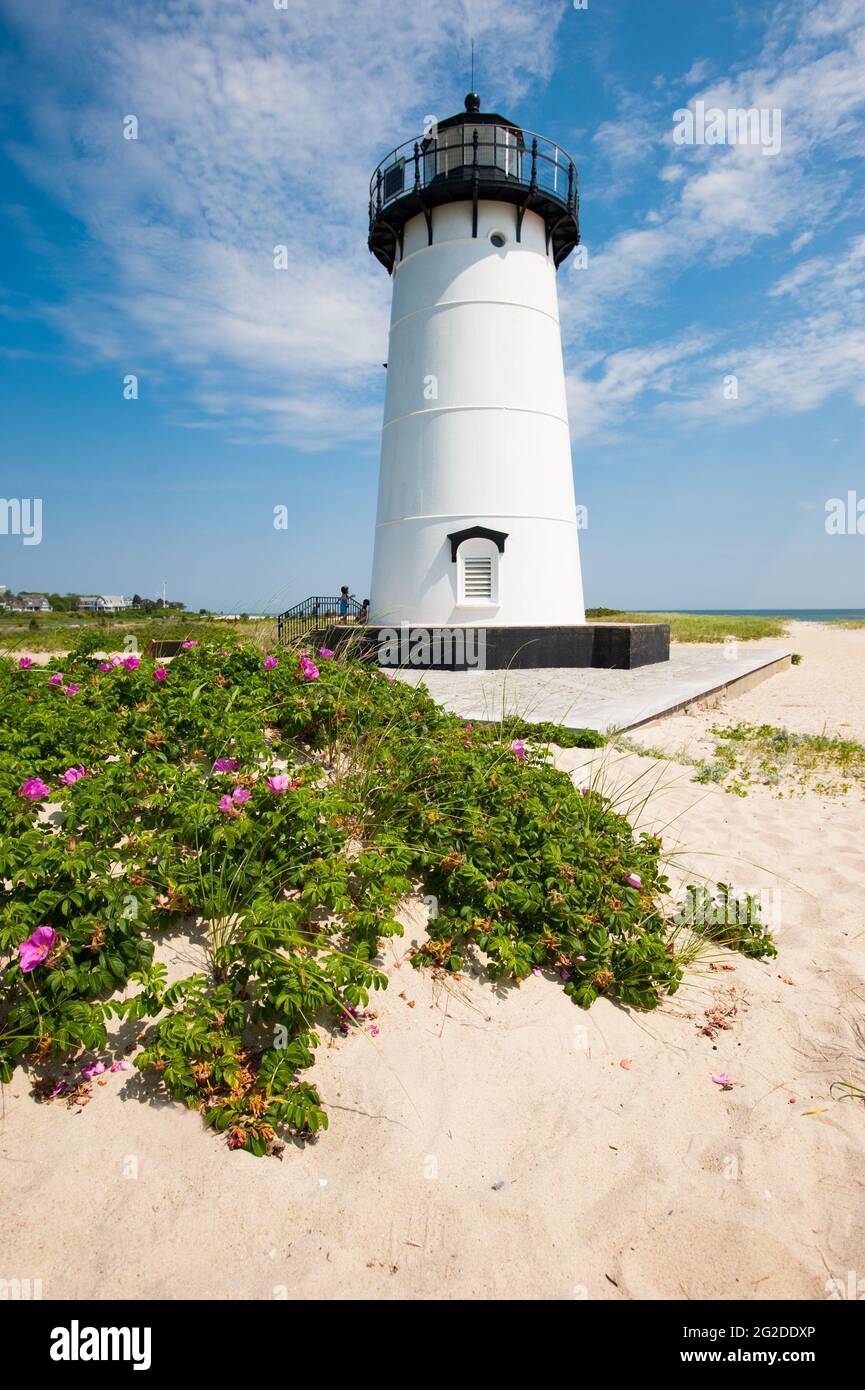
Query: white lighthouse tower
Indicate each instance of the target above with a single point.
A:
(476, 519)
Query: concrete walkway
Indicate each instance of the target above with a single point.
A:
(586, 698)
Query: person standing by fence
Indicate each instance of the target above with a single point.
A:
(344, 597)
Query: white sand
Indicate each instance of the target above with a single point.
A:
(492, 1144)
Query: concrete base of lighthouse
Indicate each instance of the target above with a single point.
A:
(613, 646)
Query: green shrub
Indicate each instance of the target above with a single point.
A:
(731, 921)
(386, 794)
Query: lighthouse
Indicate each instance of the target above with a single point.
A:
(476, 520)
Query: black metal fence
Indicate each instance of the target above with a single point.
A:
(313, 612)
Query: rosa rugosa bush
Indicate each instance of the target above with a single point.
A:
(283, 805)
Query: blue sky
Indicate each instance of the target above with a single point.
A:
(260, 388)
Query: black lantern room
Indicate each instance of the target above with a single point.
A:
(472, 156)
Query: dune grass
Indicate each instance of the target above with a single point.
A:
(697, 627)
(80, 632)
(767, 753)
(764, 754)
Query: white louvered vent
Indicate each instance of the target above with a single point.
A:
(478, 577)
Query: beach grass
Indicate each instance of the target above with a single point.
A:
(62, 632)
(765, 754)
(697, 627)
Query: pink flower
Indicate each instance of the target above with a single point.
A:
(564, 974)
(25, 663)
(325, 653)
(60, 1089)
(584, 791)
(309, 668)
(536, 970)
(160, 673)
(226, 805)
(132, 663)
(270, 662)
(581, 958)
(70, 689)
(56, 679)
(34, 789)
(240, 795)
(92, 1069)
(723, 1081)
(634, 880)
(117, 661)
(278, 784)
(518, 748)
(225, 765)
(374, 1030)
(38, 945)
(184, 646)
(388, 675)
(105, 666)
(122, 1065)
(72, 774)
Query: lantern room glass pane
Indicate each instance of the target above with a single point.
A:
(498, 148)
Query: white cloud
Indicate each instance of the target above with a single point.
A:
(257, 127)
(697, 72)
(717, 205)
(815, 352)
(260, 127)
(603, 405)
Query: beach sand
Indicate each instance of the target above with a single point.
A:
(494, 1142)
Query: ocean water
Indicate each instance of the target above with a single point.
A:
(802, 615)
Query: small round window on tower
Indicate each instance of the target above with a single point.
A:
(498, 239)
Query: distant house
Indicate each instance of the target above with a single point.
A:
(34, 603)
(103, 603)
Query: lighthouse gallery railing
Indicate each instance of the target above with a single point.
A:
(518, 156)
